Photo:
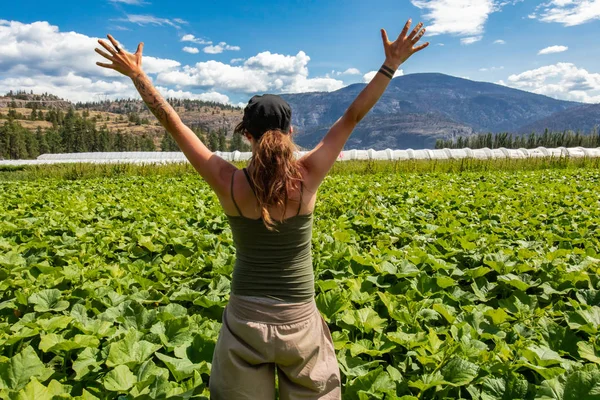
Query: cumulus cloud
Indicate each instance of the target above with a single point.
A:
(180, 94)
(457, 17)
(568, 12)
(191, 50)
(39, 57)
(371, 74)
(193, 39)
(499, 41)
(553, 49)
(562, 81)
(349, 71)
(263, 72)
(236, 60)
(219, 48)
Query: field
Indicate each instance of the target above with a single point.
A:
(438, 281)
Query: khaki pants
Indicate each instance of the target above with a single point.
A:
(260, 335)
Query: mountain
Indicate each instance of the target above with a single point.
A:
(417, 109)
(582, 118)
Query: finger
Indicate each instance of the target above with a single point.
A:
(113, 41)
(419, 36)
(111, 66)
(384, 36)
(140, 49)
(107, 47)
(415, 31)
(405, 30)
(104, 54)
(421, 47)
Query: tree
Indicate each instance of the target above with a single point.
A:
(168, 143)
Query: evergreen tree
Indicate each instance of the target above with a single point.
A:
(42, 142)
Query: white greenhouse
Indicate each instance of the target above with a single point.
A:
(157, 157)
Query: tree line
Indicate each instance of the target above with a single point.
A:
(533, 140)
(75, 133)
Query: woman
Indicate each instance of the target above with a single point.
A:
(271, 321)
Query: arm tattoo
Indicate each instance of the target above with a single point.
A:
(155, 102)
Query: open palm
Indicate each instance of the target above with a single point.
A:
(403, 47)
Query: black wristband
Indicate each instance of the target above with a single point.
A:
(388, 69)
(386, 73)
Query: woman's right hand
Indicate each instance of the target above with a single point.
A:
(403, 47)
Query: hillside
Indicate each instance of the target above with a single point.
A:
(446, 105)
(583, 118)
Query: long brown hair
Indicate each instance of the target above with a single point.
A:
(275, 171)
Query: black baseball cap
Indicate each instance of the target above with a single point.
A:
(267, 112)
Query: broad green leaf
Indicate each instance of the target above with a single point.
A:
(16, 372)
(119, 379)
(130, 351)
(459, 372)
(48, 300)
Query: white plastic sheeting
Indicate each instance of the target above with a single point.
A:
(157, 157)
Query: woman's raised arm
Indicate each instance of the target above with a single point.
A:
(319, 161)
(214, 169)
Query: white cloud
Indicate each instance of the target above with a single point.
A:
(470, 40)
(39, 57)
(263, 72)
(439, 44)
(191, 50)
(349, 71)
(562, 81)
(180, 94)
(236, 60)
(553, 49)
(219, 48)
(371, 74)
(499, 41)
(71, 86)
(144, 19)
(492, 69)
(568, 12)
(192, 38)
(130, 2)
(457, 17)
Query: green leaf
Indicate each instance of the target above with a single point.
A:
(182, 368)
(589, 352)
(365, 319)
(459, 372)
(16, 373)
(130, 351)
(48, 300)
(583, 384)
(119, 379)
(331, 302)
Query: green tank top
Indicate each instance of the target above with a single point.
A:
(274, 264)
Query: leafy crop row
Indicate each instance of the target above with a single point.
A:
(439, 286)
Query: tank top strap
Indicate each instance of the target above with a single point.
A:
(300, 202)
(232, 198)
(249, 181)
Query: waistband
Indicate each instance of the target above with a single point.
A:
(270, 311)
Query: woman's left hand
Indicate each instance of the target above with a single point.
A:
(126, 63)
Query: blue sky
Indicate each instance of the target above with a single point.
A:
(293, 45)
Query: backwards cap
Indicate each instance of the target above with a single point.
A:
(267, 112)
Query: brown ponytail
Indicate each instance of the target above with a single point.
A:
(275, 172)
